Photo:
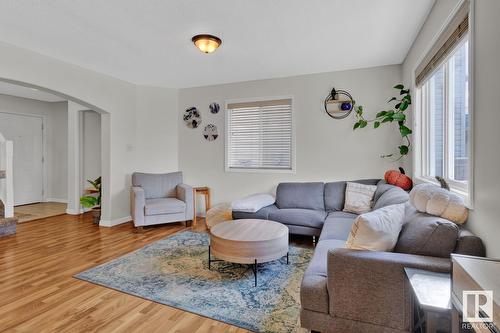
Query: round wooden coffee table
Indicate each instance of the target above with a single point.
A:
(248, 242)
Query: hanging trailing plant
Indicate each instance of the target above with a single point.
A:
(397, 114)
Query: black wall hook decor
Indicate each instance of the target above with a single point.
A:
(339, 104)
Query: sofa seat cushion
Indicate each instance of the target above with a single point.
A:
(313, 291)
(301, 217)
(337, 226)
(161, 206)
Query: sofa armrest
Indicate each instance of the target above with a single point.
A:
(185, 193)
(372, 287)
(137, 204)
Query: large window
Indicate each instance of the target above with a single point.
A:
(259, 135)
(443, 116)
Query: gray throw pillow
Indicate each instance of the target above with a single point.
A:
(427, 236)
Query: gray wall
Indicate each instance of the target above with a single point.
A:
(486, 185)
(326, 149)
(56, 139)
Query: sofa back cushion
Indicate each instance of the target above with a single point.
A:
(300, 195)
(335, 193)
(392, 196)
(427, 235)
(157, 185)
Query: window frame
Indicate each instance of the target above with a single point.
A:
(227, 168)
(421, 134)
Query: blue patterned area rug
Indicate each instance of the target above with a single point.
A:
(174, 271)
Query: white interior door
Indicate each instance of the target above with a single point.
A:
(26, 134)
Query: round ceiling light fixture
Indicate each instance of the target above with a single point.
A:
(206, 43)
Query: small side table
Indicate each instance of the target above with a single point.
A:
(204, 190)
(432, 299)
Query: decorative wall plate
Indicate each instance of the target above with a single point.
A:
(210, 132)
(192, 117)
(214, 107)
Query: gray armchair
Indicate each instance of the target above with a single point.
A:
(160, 198)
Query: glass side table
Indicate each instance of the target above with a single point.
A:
(431, 309)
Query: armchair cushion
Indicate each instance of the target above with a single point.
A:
(161, 206)
(157, 185)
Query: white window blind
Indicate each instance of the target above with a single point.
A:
(259, 135)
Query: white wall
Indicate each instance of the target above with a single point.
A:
(91, 146)
(157, 130)
(56, 137)
(326, 149)
(484, 218)
(117, 99)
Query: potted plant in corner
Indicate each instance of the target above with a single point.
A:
(93, 200)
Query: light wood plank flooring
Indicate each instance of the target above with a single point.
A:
(37, 211)
(39, 294)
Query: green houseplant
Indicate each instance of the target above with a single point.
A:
(397, 114)
(93, 200)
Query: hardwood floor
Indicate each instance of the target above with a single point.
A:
(39, 294)
(37, 211)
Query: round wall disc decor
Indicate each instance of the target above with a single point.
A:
(192, 117)
(210, 132)
(339, 104)
(214, 107)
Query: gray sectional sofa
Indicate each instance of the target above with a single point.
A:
(315, 209)
(354, 291)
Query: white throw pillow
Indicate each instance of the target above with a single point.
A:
(431, 199)
(253, 203)
(358, 197)
(377, 230)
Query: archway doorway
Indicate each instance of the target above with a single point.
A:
(85, 153)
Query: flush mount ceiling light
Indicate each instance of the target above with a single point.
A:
(206, 43)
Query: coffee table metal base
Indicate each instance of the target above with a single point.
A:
(254, 265)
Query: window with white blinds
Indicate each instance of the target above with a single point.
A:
(259, 135)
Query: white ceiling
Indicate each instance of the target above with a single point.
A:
(149, 42)
(20, 91)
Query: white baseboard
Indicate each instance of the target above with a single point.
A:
(56, 200)
(112, 223)
(73, 211)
